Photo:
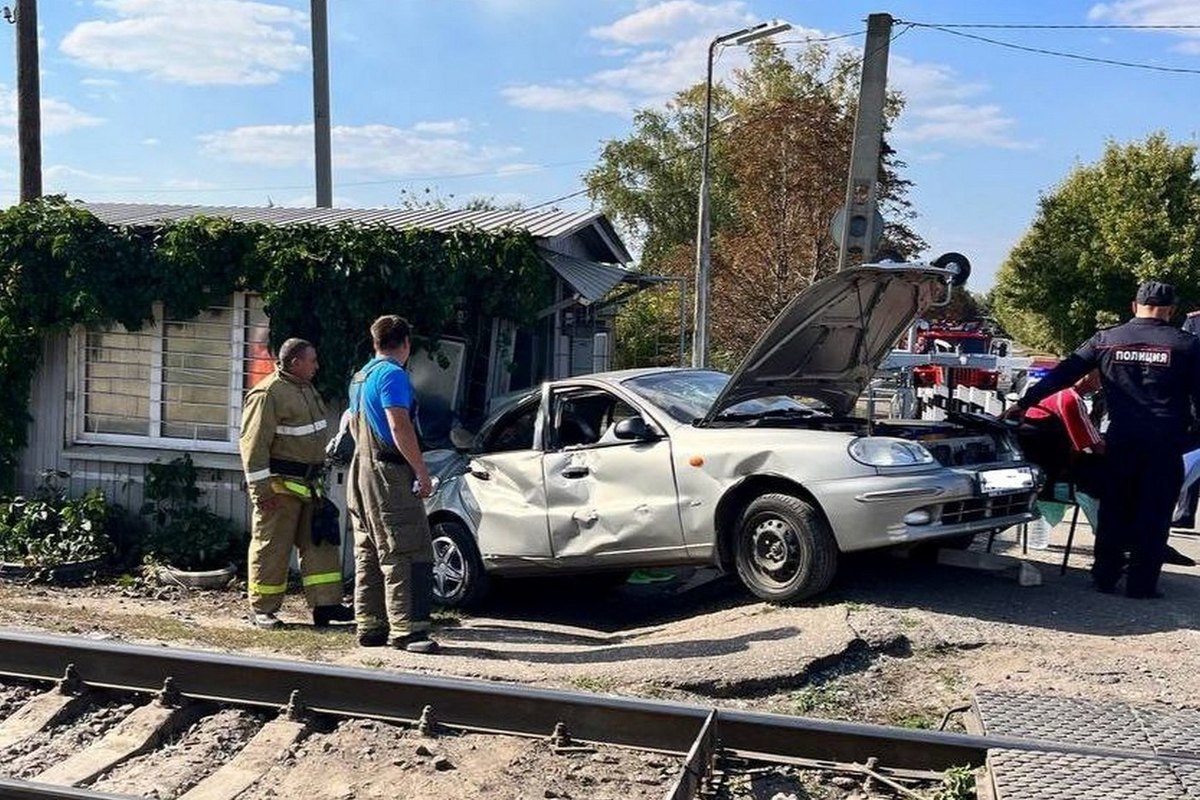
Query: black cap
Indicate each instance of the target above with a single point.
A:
(1153, 293)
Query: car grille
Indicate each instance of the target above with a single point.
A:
(981, 508)
(964, 452)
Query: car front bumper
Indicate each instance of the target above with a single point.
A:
(886, 510)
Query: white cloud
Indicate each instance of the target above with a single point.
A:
(570, 96)
(675, 19)
(962, 124)
(1154, 12)
(100, 83)
(150, 142)
(62, 176)
(937, 108)
(57, 115)
(450, 127)
(1147, 12)
(380, 150)
(193, 42)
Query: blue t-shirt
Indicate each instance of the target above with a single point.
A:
(386, 386)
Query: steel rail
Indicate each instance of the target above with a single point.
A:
(12, 789)
(477, 705)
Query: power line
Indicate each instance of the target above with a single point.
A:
(1112, 62)
(1046, 27)
(687, 151)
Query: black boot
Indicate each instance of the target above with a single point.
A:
(323, 615)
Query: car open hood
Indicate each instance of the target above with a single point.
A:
(830, 339)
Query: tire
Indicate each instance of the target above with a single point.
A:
(784, 549)
(459, 579)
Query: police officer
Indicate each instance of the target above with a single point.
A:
(283, 450)
(1151, 375)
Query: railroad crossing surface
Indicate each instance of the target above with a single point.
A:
(1156, 751)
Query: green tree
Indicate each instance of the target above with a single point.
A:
(777, 174)
(1133, 216)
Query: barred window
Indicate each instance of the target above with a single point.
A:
(175, 382)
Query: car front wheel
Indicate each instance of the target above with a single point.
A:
(784, 549)
(459, 580)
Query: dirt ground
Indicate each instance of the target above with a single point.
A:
(897, 641)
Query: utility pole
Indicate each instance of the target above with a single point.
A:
(321, 129)
(862, 225)
(29, 111)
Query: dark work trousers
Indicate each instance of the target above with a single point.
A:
(393, 551)
(1141, 484)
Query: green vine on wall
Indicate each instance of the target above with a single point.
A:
(60, 267)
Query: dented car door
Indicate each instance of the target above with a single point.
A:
(503, 481)
(609, 501)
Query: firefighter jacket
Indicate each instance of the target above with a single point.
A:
(283, 437)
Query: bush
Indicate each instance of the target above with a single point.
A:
(49, 529)
(182, 533)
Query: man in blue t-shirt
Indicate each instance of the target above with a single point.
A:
(393, 551)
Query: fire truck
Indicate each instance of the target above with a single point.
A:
(975, 338)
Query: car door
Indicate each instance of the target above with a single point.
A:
(609, 501)
(505, 486)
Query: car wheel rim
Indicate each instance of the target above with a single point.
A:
(449, 569)
(774, 551)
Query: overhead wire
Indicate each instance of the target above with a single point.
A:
(1112, 62)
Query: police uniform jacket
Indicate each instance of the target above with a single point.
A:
(1151, 375)
(283, 432)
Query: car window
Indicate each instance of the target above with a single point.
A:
(513, 431)
(584, 417)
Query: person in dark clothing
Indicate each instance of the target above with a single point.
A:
(1192, 323)
(1150, 371)
(1185, 509)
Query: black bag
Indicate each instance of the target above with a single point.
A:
(340, 449)
(327, 523)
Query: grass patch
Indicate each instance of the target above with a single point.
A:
(818, 699)
(303, 641)
(915, 722)
(593, 683)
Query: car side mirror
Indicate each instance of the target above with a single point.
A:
(461, 438)
(634, 429)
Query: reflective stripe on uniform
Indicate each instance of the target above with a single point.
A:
(268, 588)
(296, 488)
(258, 475)
(301, 430)
(321, 578)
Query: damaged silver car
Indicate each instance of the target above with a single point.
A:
(766, 472)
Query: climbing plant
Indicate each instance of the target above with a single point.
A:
(60, 267)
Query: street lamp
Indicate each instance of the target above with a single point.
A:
(704, 228)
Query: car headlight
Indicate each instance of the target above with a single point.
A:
(883, 451)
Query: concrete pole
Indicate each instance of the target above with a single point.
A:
(321, 127)
(704, 229)
(859, 230)
(29, 111)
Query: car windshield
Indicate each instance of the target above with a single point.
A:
(687, 395)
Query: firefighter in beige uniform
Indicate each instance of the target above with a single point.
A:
(283, 450)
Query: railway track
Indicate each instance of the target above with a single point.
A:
(125, 702)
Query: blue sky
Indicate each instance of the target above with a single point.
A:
(209, 101)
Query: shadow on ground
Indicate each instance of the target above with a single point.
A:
(1064, 602)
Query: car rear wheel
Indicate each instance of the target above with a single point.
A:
(459, 580)
(784, 549)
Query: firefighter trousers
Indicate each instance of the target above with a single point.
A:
(272, 537)
(393, 553)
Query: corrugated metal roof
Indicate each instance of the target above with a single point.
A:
(543, 224)
(591, 279)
